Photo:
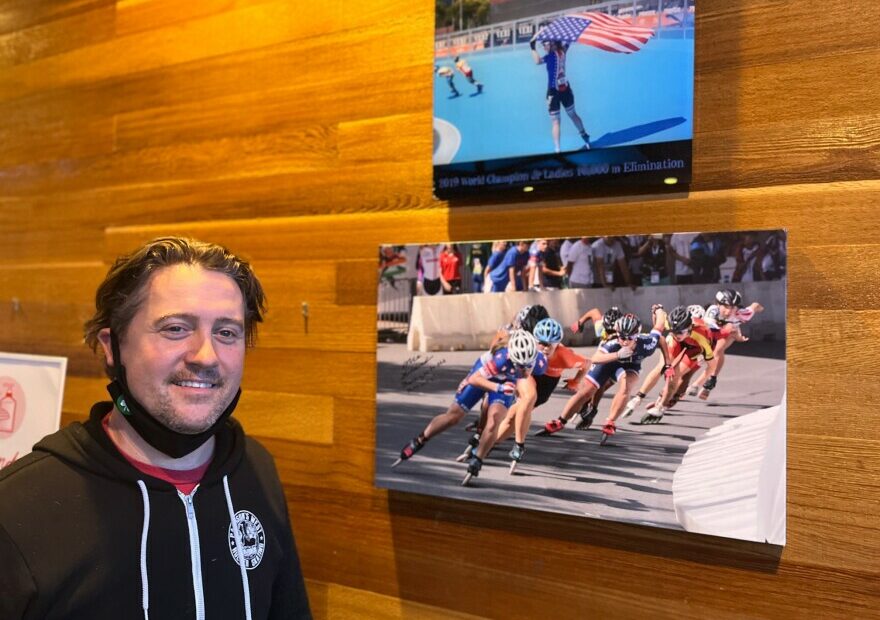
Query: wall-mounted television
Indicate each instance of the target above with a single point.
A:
(531, 96)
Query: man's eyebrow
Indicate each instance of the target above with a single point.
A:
(186, 316)
(193, 318)
(229, 321)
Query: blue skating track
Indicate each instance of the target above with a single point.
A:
(635, 98)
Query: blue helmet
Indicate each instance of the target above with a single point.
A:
(548, 331)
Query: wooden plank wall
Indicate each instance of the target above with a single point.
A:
(299, 133)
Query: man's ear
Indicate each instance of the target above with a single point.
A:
(104, 339)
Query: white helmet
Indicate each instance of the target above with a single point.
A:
(697, 311)
(522, 348)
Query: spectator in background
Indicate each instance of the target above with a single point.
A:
(392, 263)
(428, 266)
(654, 255)
(707, 256)
(579, 264)
(534, 274)
(553, 269)
(773, 260)
(499, 251)
(631, 245)
(511, 269)
(610, 257)
(476, 259)
(450, 269)
(565, 248)
(680, 249)
(748, 261)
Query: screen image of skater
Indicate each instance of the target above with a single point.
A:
(638, 378)
(597, 95)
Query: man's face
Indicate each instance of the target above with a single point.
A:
(522, 246)
(542, 245)
(184, 349)
(547, 46)
(725, 311)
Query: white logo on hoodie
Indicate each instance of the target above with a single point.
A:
(251, 536)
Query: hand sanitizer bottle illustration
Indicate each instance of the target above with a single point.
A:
(7, 411)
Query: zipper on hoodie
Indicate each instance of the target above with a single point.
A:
(195, 552)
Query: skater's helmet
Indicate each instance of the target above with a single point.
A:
(522, 348)
(535, 315)
(728, 297)
(548, 331)
(610, 318)
(628, 325)
(679, 320)
(521, 316)
(697, 311)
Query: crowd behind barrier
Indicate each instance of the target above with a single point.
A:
(633, 262)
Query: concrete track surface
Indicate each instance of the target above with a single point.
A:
(629, 479)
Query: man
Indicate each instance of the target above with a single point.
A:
(552, 270)
(579, 264)
(680, 247)
(559, 92)
(609, 253)
(508, 274)
(158, 506)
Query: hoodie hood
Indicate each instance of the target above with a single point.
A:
(87, 446)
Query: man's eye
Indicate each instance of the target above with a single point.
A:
(228, 334)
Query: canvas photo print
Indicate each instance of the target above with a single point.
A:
(637, 378)
(534, 94)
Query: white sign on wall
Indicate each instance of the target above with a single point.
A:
(31, 390)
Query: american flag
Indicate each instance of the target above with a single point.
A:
(608, 33)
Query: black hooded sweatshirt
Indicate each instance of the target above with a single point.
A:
(83, 534)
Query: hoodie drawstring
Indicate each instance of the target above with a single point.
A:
(145, 584)
(238, 545)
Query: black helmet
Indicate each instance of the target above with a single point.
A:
(728, 297)
(628, 325)
(535, 315)
(679, 319)
(610, 317)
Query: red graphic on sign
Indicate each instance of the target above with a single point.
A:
(12, 406)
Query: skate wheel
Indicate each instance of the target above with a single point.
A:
(467, 479)
(513, 465)
(603, 439)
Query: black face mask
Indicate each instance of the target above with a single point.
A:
(165, 440)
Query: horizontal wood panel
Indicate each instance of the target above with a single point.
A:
(335, 602)
(736, 35)
(58, 36)
(17, 15)
(699, 573)
(230, 32)
(845, 210)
